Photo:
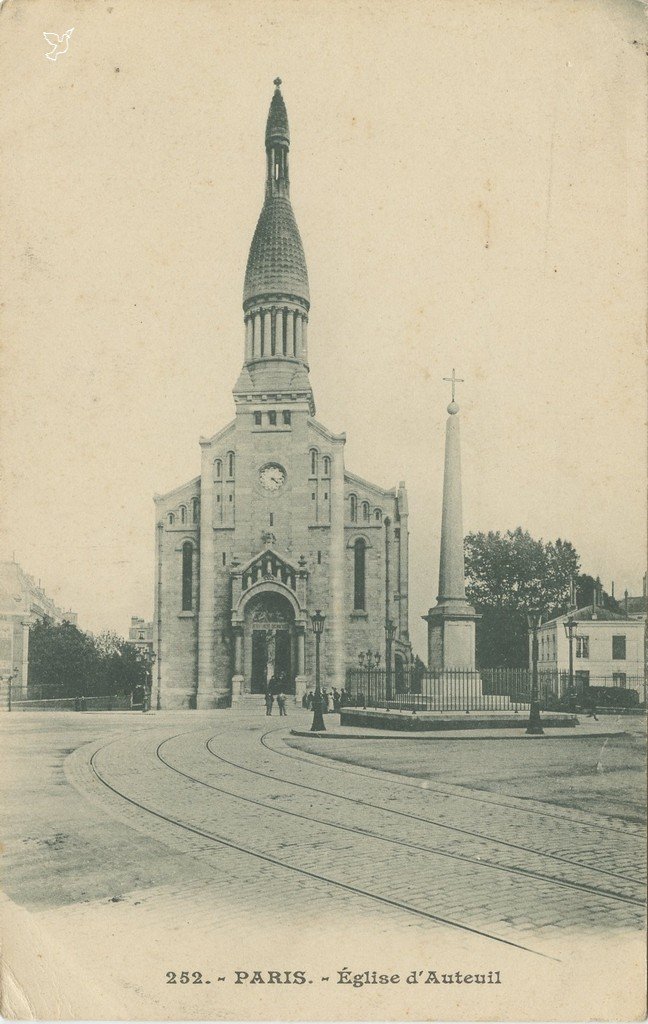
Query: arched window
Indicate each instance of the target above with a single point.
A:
(359, 567)
(218, 469)
(183, 514)
(230, 464)
(327, 466)
(313, 458)
(171, 519)
(378, 515)
(353, 506)
(187, 576)
(365, 511)
(195, 509)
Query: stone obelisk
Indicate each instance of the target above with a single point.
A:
(451, 623)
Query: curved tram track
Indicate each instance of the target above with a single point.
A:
(221, 840)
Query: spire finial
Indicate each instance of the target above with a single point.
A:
(277, 82)
(453, 408)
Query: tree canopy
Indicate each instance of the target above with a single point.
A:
(509, 574)
(68, 662)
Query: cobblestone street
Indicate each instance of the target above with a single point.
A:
(211, 842)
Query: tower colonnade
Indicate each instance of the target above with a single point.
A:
(276, 330)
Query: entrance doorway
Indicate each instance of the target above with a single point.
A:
(270, 637)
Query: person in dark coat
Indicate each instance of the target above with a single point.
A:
(281, 703)
(269, 700)
(325, 702)
(336, 700)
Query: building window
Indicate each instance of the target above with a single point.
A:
(183, 514)
(171, 519)
(582, 647)
(326, 466)
(272, 418)
(287, 417)
(272, 519)
(325, 495)
(187, 576)
(230, 464)
(313, 496)
(218, 469)
(218, 499)
(319, 557)
(224, 558)
(365, 511)
(231, 497)
(359, 565)
(618, 648)
(619, 679)
(378, 515)
(195, 509)
(353, 507)
(313, 458)
(257, 419)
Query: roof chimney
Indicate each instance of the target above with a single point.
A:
(625, 603)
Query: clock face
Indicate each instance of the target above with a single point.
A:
(272, 476)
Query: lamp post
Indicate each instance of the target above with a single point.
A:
(318, 719)
(570, 632)
(149, 659)
(390, 632)
(534, 728)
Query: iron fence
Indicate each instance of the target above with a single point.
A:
(493, 689)
(22, 700)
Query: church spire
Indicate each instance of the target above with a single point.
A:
(276, 297)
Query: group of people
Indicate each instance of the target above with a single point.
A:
(330, 701)
(276, 690)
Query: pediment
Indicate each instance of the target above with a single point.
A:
(269, 565)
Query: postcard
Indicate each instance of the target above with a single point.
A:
(323, 563)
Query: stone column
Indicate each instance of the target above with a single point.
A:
(335, 627)
(267, 333)
(305, 339)
(301, 681)
(256, 336)
(249, 328)
(298, 336)
(238, 677)
(206, 696)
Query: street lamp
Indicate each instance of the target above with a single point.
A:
(318, 628)
(570, 632)
(534, 728)
(390, 633)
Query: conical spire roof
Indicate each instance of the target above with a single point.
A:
(276, 262)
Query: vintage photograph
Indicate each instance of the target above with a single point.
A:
(323, 587)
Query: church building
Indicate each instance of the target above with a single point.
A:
(275, 527)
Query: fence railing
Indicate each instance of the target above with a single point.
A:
(493, 689)
(22, 700)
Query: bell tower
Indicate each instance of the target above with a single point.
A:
(276, 297)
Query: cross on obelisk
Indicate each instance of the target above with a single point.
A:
(454, 380)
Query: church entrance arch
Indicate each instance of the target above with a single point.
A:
(270, 641)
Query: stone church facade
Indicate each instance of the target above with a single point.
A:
(275, 527)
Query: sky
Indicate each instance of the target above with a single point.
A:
(469, 182)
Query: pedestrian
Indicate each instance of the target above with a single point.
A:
(336, 700)
(281, 703)
(344, 698)
(309, 700)
(325, 702)
(269, 699)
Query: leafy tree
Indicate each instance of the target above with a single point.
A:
(68, 662)
(62, 658)
(507, 575)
